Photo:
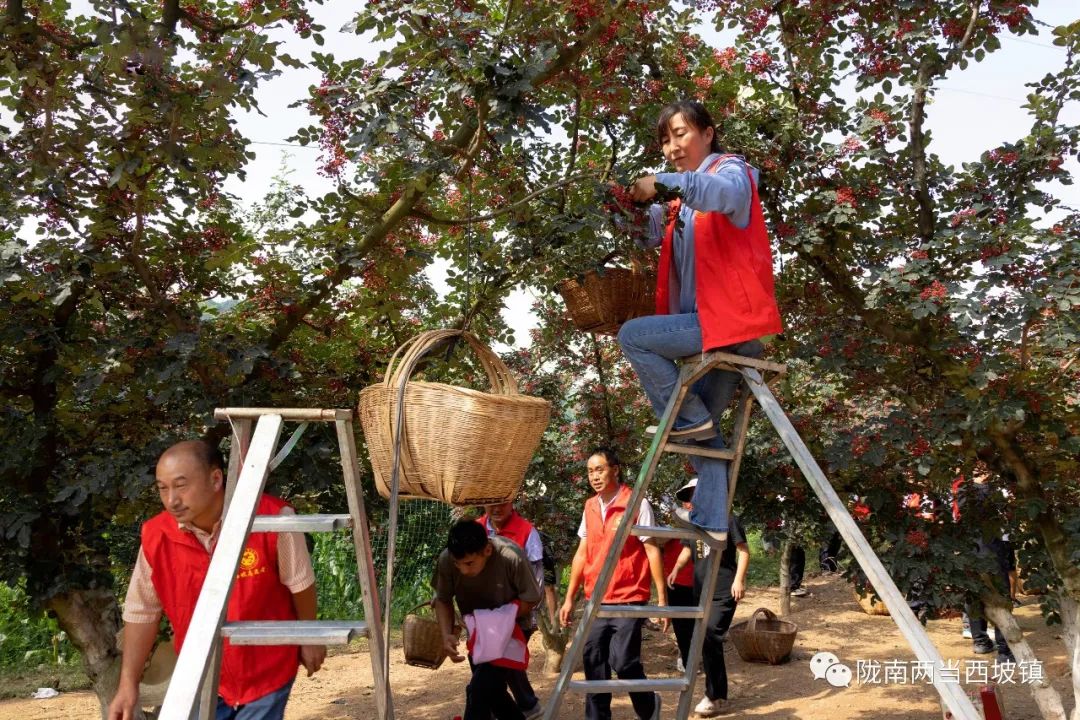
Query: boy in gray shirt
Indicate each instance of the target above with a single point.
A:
(482, 573)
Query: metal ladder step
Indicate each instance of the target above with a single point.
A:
(623, 686)
(664, 531)
(684, 449)
(294, 632)
(650, 611)
(300, 523)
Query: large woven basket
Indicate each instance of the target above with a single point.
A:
(458, 445)
(422, 640)
(764, 637)
(600, 301)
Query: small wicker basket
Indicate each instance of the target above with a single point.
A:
(600, 301)
(458, 445)
(870, 604)
(422, 640)
(764, 637)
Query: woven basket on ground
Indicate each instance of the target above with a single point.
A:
(870, 604)
(600, 301)
(422, 640)
(764, 637)
(458, 445)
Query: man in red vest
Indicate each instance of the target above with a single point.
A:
(614, 643)
(503, 520)
(274, 582)
(714, 289)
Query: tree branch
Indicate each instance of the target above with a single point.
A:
(16, 14)
(1054, 538)
(170, 16)
(930, 66)
(422, 183)
(575, 130)
(440, 220)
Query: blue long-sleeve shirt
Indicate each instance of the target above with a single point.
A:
(727, 191)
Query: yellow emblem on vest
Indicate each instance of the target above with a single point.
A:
(249, 559)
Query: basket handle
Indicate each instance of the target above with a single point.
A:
(409, 354)
(764, 613)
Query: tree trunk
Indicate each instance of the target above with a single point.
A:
(785, 577)
(91, 618)
(1070, 622)
(555, 641)
(1046, 697)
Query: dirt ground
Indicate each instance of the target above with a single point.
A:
(829, 620)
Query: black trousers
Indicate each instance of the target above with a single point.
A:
(712, 652)
(520, 687)
(797, 568)
(828, 554)
(1003, 553)
(614, 644)
(486, 694)
(683, 627)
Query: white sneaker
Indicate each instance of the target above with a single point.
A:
(708, 708)
(679, 667)
(681, 516)
(800, 592)
(702, 431)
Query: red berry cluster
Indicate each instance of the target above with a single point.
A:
(724, 58)
(933, 291)
(759, 62)
(846, 196)
(1005, 157)
(917, 539)
(919, 447)
(962, 216)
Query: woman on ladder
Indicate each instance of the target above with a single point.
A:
(714, 289)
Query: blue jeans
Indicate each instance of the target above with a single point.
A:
(269, 707)
(652, 344)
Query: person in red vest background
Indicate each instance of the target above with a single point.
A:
(614, 643)
(275, 581)
(504, 521)
(714, 289)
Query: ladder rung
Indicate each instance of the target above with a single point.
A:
(300, 523)
(650, 611)
(736, 361)
(685, 449)
(294, 632)
(663, 531)
(625, 686)
(308, 414)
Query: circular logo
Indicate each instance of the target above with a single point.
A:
(249, 559)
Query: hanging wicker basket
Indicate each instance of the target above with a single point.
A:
(422, 640)
(764, 637)
(458, 445)
(600, 301)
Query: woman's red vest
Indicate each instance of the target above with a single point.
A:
(733, 271)
(178, 564)
(631, 581)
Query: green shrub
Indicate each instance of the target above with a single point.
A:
(29, 637)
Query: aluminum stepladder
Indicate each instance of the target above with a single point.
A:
(691, 372)
(192, 693)
(754, 384)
